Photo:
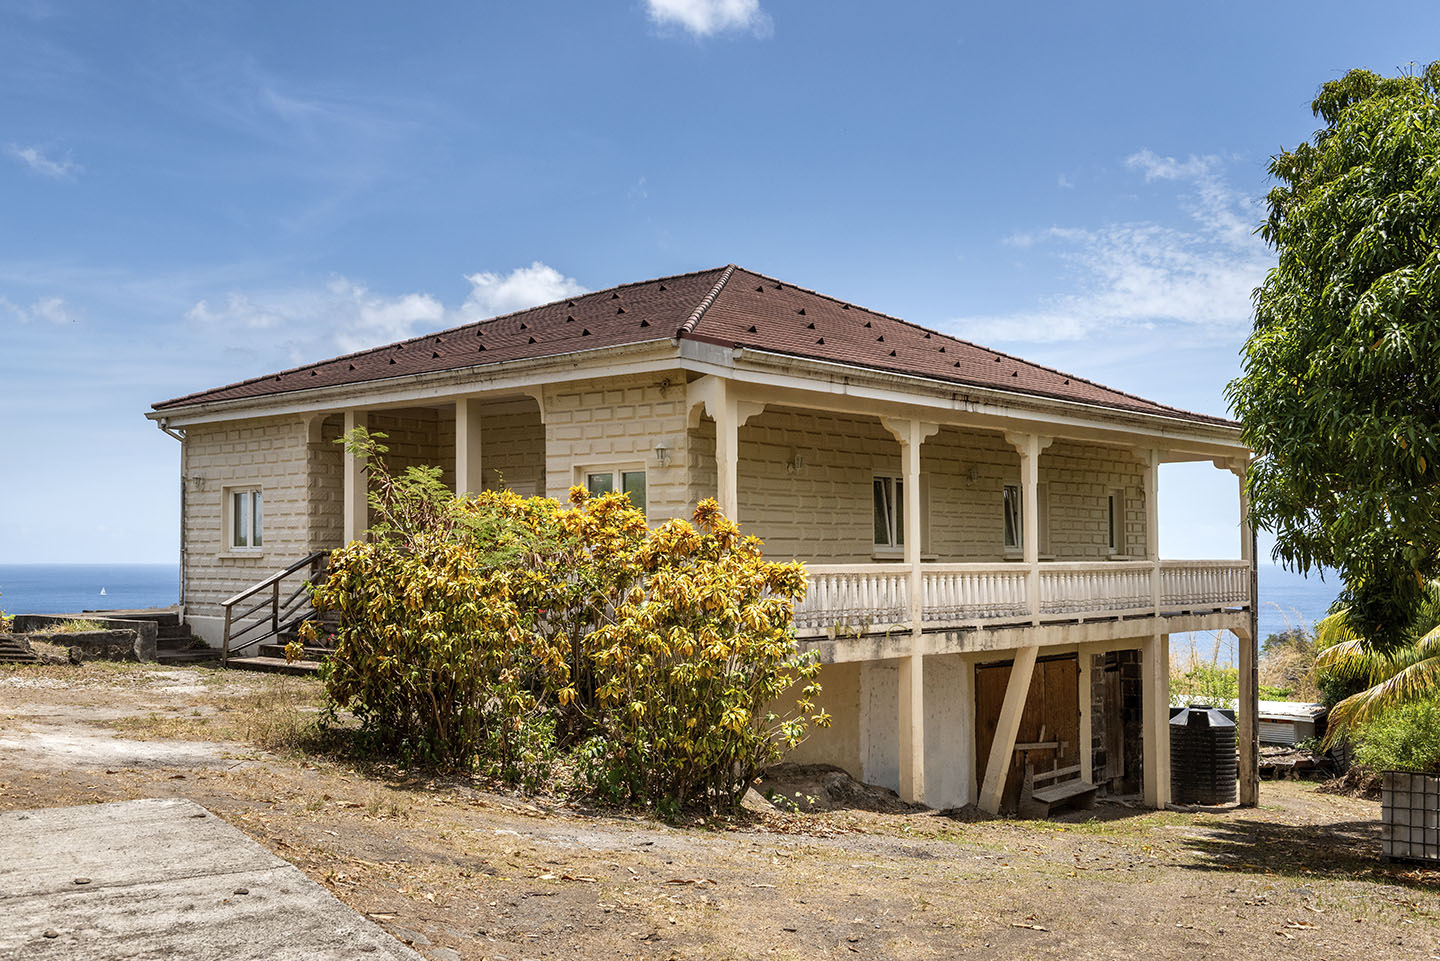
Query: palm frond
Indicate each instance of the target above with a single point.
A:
(1416, 681)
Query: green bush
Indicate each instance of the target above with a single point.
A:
(518, 636)
(1403, 738)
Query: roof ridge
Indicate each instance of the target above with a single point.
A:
(704, 304)
(423, 336)
(970, 343)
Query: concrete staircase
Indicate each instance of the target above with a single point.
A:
(13, 652)
(270, 657)
(174, 644)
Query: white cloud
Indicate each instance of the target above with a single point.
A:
(493, 294)
(1146, 274)
(702, 18)
(35, 158)
(50, 310)
(307, 324)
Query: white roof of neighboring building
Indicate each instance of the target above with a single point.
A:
(1291, 710)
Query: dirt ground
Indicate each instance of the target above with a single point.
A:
(459, 872)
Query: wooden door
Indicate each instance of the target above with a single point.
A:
(1052, 713)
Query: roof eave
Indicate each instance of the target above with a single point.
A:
(430, 385)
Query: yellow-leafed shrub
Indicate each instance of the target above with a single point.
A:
(508, 633)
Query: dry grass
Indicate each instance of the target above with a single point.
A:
(280, 715)
(73, 626)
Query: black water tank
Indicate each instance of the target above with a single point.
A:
(1203, 763)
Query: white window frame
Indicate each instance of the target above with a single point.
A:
(894, 510)
(617, 474)
(1042, 501)
(248, 535)
(1017, 549)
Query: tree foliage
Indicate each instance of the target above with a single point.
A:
(503, 633)
(1378, 680)
(1340, 393)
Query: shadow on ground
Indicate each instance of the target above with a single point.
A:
(1347, 850)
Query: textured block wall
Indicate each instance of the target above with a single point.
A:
(824, 510)
(616, 423)
(272, 453)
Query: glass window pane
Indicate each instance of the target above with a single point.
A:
(599, 484)
(899, 513)
(1012, 516)
(633, 482)
(882, 514)
(255, 521)
(237, 520)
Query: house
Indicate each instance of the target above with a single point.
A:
(1289, 722)
(986, 591)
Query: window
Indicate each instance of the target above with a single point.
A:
(1115, 514)
(889, 512)
(631, 482)
(246, 514)
(1014, 518)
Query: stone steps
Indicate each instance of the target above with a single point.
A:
(13, 652)
(272, 665)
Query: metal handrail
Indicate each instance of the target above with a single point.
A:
(279, 611)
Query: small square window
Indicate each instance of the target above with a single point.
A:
(629, 482)
(246, 520)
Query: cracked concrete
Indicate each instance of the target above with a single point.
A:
(164, 878)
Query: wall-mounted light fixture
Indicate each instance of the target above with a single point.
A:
(972, 475)
(796, 463)
(662, 454)
(197, 482)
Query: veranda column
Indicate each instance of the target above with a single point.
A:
(1151, 459)
(1155, 719)
(911, 699)
(1029, 447)
(1155, 657)
(469, 473)
(1247, 711)
(727, 454)
(356, 489)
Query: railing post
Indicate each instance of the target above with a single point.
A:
(225, 648)
(275, 608)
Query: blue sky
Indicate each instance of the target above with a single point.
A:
(193, 193)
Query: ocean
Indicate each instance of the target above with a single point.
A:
(71, 588)
(1286, 600)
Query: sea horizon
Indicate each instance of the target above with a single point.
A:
(1287, 600)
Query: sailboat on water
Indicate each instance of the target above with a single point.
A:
(102, 592)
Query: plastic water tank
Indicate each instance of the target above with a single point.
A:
(1204, 767)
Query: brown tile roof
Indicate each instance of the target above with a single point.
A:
(729, 306)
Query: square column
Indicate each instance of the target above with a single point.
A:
(469, 473)
(357, 489)
(1155, 719)
(1029, 447)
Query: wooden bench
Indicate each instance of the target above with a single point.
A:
(1062, 787)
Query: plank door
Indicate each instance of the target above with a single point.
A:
(1052, 713)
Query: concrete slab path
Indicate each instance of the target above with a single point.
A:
(164, 879)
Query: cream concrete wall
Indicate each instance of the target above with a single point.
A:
(512, 447)
(417, 437)
(327, 483)
(838, 744)
(616, 422)
(271, 453)
(1078, 478)
(823, 512)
